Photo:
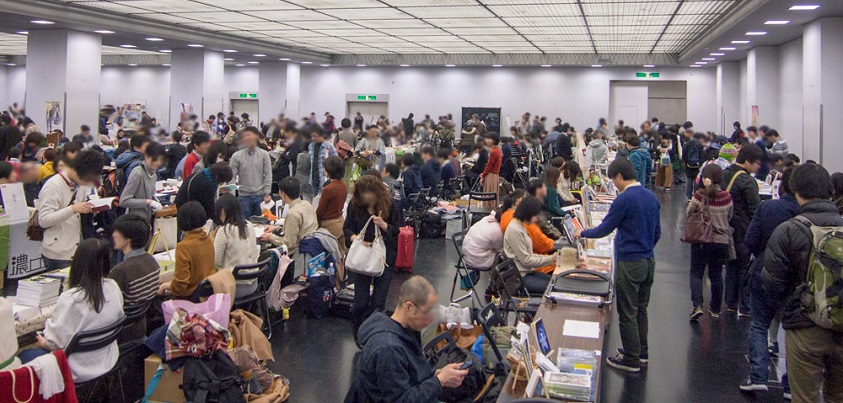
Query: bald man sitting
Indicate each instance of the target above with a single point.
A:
(392, 367)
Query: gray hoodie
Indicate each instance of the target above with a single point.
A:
(599, 151)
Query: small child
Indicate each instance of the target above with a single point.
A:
(268, 208)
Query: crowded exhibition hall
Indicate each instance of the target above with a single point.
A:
(421, 201)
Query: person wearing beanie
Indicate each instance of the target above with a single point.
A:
(728, 152)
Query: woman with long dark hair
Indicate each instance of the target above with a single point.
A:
(371, 199)
(235, 242)
(93, 301)
(713, 255)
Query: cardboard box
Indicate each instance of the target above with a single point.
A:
(168, 387)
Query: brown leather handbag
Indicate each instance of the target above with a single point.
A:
(698, 225)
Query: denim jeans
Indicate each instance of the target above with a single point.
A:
(737, 282)
(536, 283)
(763, 312)
(633, 281)
(53, 264)
(26, 356)
(690, 188)
(250, 205)
(364, 303)
(713, 256)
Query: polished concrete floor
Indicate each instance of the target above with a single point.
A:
(689, 362)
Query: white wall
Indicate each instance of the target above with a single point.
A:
(743, 105)
(790, 95)
(16, 85)
(577, 95)
(628, 101)
(148, 83)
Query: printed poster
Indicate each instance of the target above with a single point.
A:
(54, 115)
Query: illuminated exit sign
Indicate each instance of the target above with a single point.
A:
(248, 96)
(367, 97)
(643, 74)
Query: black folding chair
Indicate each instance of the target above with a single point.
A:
(203, 290)
(507, 280)
(490, 317)
(478, 212)
(470, 274)
(255, 271)
(93, 340)
(135, 315)
(436, 194)
(432, 353)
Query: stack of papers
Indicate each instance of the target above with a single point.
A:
(575, 298)
(24, 313)
(38, 291)
(568, 385)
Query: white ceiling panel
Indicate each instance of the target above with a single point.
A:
(249, 5)
(705, 7)
(292, 15)
(447, 23)
(693, 19)
(563, 30)
(538, 10)
(220, 17)
(626, 30)
(294, 33)
(176, 19)
(424, 3)
(347, 32)
(318, 4)
(543, 21)
(449, 12)
(322, 24)
(526, 2)
(354, 14)
(165, 6)
(430, 31)
(394, 24)
(257, 26)
(483, 31)
(638, 8)
(116, 7)
(493, 38)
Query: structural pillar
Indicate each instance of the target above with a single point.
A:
(196, 84)
(728, 93)
(272, 90)
(293, 91)
(822, 91)
(762, 80)
(63, 68)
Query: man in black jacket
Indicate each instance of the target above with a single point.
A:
(564, 147)
(392, 367)
(430, 169)
(814, 354)
(739, 182)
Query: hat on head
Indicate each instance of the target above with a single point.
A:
(728, 152)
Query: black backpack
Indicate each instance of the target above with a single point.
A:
(472, 384)
(211, 380)
(320, 297)
(430, 225)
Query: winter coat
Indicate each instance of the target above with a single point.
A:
(599, 151)
(744, 197)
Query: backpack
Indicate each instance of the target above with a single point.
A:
(115, 181)
(822, 293)
(213, 379)
(694, 159)
(320, 296)
(471, 385)
(431, 226)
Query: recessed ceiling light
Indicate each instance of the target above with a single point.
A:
(777, 22)
(23, 32)
(165, 51)
(259, 55)
(740, 42)
(596, 65)
(306, 62)
(11, 64)
(694, 65)
(497, 65)
(405, 65)
(103, 31)
(252, 62)
(133, 64)
(756, 33)
(545, 65)
(166, 65)
(195, 45)
(450, 65)
(128, 46)
(229, 51)
(325, 65)
(153, 39)
(284, 59)
(228, 59)
(728, 48)
(701, 63)
(708, 59)
(239, 64)
(649, 66)
(718, 54)
(42, 22)
(804, 7)
(361, 65)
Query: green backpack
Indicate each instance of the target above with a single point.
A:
(822, 292)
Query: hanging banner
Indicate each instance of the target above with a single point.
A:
(54, 115)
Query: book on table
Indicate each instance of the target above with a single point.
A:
(38, 291)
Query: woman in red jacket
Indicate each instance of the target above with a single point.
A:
(491, 175)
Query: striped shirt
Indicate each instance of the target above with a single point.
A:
(137, 276)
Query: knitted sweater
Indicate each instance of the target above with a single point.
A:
(720, 210)
(635, 214)
(518, 246)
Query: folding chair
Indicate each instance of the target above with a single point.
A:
(93, 340)
(478, 212)
(254, 271)
(507, 279)
(465, 272)
(432, 353)
(489, 317)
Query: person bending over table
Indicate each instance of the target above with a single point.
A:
(635, 216)
(194, 254)
(203, 187)
(92, 302)
(518, 245)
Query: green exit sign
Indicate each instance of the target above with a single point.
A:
(654, 75)
(248, 96)
(367, 97)
(643, 74)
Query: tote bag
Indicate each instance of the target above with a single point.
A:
(364, 258)
(698, 226)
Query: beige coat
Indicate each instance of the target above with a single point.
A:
(300, 221)
(518, 246)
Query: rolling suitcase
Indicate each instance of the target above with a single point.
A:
(406, 249)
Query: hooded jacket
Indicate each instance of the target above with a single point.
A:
(128, 161)
(640, 160)
(786, 260)
(599, 151)
(392, 366)
(430, 174)
(744, 197)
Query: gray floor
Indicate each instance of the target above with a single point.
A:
(689, 362)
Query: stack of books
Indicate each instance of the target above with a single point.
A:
(38, 291)
(575, 379)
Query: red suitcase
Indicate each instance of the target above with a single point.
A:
(406, 249)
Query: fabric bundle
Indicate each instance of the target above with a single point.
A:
(194, 335)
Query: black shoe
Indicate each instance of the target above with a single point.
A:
(622, 363)
(642, 358)
(748, 386)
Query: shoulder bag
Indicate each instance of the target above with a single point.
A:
(34, 230)
(367, 258)
(698, 225)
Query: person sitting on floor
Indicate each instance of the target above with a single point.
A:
(92, 302)
(194, 254)
(518, 245)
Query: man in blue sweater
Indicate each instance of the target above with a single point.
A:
(635, 216)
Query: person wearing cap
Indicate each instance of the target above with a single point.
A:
(490, 176)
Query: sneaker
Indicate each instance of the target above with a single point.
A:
(714, 314)
(786, 395)
(696, 312)
(773, 348)
(730, 309)
(743, 314)
(748, 386)
(642, 358)
(622, 363)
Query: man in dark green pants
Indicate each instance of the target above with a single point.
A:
(635, 216)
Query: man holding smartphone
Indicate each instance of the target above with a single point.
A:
(392, 367)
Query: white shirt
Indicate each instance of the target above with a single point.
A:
(482, 242)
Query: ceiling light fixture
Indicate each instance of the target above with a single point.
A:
(259, 55)
(709, 59)
(252, 62)
(239, 64)
(405, 65)
(596, 65)
(153, 39)
(42, 22)
(284, 59)
(777, 22)
(701, 63)
(694, 65)
(450, 65)
(166, 51)
(306, 62)
(728, 48)
(804, 7)
(11, 64)
(756, 33)
(718, 54)
(166, 64)
(740, 42)
(103, 31)
(133, 64)
(128, 46)
(545, 65)
(229, 51)
(497, 65)
(325, 65)
(195, 45)
(228, 59)
(23, 32)
(649, 66)
(361, 65)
